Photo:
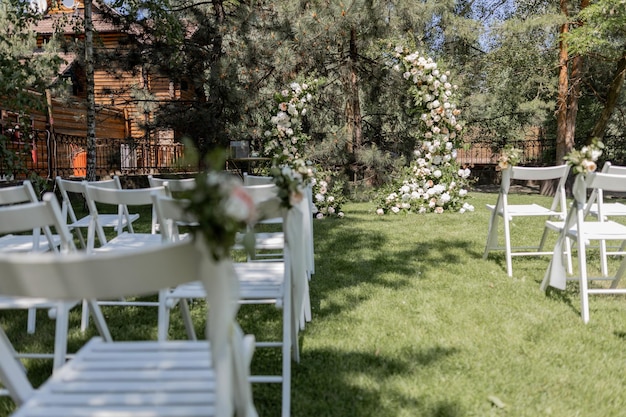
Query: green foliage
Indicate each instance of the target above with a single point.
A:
(602, 30)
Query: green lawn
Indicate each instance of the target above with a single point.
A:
(409, 320)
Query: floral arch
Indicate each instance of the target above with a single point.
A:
(434, 182)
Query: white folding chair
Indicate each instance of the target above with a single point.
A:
(584, 232)
(508, 212)
(174, 185)
(35, 241)
(124, 240)
(282, 283)
(609, 209)
(268, 244)
(46, 214)
(119, 197)
(69, 188)
(274, 241)
(135, 378)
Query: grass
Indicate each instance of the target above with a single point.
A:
(409, 320)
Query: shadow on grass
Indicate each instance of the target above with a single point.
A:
(355, 384)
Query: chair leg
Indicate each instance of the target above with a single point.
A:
(584, 295)
(163, 320)
(619, 274)
(84, 318)
(604, 268)
(31, 320)
(492, 237)
(286, 356)
(60, 336)
(98, 319)
(185, 312)
(507, 244)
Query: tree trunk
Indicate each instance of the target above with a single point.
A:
(91, 104)
(562, 146)
(354, 121)
(611, 99)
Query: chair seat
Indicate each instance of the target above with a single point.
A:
(527, 210)
(7, 303)
(173, 378)
(257, 280)
(105, 220)
(609, 230)
(263, 241)
(260, 280)
(609, 209)
(131, 241)
(24, 243)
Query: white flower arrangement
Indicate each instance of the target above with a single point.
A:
(584, 160)
(327, 195)
(510, 156)
(434, 182)
(285, 141)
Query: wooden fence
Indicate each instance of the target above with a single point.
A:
(65, 155)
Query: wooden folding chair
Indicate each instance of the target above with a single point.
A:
(583, 232)
(134, 378)
(508, 212)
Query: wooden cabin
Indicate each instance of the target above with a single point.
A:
(112, 90)
(58, 146)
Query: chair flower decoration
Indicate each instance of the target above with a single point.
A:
(510, 156)
(583, 161)
(285, 141)
(222, 208)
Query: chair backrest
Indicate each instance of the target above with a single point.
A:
(67, 187)
(597, 195)
(606, 182)
(43, 214)
(560, 172)
(120, 198)
(174, 185)
(25, 193)
(18, 194)
(169, 213)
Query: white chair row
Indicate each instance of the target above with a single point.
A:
(576, 231)
(71, 190)
(279, 282)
